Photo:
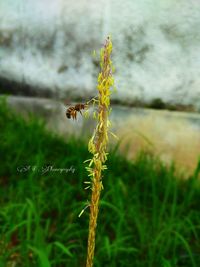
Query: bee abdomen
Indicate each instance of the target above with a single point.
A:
(68, 115)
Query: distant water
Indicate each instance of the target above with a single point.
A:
(156, 46)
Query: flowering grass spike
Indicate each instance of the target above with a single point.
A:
(98, 143)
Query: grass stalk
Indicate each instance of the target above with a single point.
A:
(98, 143)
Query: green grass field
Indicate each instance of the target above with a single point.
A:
(148, 216)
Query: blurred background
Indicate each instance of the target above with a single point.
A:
(46, 53)
(47, 63)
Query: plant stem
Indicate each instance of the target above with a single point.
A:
(98, 144)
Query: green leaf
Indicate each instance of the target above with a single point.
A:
(43, 259)
(63, 248)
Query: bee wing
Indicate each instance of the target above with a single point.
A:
(67, 102)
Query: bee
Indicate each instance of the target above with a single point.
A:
(71, 112)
